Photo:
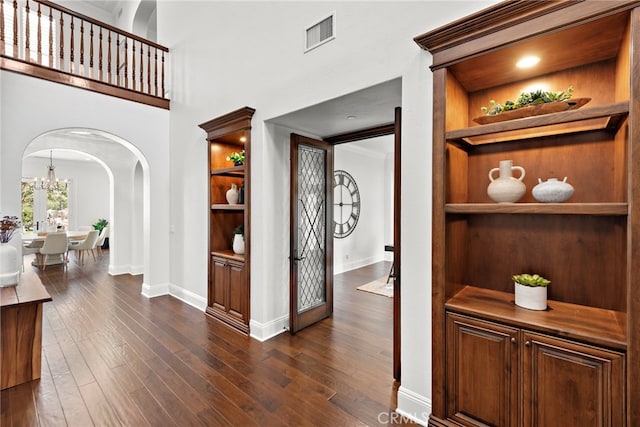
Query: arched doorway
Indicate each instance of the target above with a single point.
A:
(108, 178)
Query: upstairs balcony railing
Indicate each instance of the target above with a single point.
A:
(45, 40)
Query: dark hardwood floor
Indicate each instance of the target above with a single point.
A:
(112, 357)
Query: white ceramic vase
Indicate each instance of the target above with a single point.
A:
(531, 297)
(232, 195)
(552, 190)
(506, 188)
(9, 269)
(238, 243)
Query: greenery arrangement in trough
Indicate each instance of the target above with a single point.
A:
(526, 99)
(532, 280)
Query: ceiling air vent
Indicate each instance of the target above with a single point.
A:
(321, 32)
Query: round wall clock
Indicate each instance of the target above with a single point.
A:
(346, 204)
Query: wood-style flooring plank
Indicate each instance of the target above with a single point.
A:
(114, 357)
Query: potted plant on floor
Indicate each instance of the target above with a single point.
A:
(531, 291)
(100, 225)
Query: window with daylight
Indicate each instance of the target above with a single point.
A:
(44, 210)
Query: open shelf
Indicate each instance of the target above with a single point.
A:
(227, 253)
(236, 171)
(226, 207)
(565, 320)
(612, 209)
(605, 117)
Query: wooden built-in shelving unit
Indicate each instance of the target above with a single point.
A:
(495, 363)
(229, 273)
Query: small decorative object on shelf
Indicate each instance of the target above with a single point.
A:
(9, 268)
(238, 240)
(552, 190)
(506, 188)
(232, 195)
(530, 104)
(241, 194)
(236, 158)
(531, 291)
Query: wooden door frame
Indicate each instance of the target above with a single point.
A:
(360, 135)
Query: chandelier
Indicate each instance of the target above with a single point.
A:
(51, 183)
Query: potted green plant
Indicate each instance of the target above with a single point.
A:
(100, 225)
(531, 291)
(236, 158)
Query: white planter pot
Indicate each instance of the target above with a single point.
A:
(9, 270)
(238, 243)
(531, 297)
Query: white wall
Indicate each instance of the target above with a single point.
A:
(233, 54)
(365, 245)
(88, 190)
(31, 107)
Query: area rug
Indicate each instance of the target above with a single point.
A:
(378, 287)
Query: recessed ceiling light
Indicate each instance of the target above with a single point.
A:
(527, 61)
(243, 139)
(351, 117)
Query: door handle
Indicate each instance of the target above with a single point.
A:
(295, 258)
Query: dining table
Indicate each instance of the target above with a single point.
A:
(39, 237)
(31, 238)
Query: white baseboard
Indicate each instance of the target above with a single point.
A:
(352, 265)
(264, 331)
(116, 270)
(188, 297)
(151, 291)
(413, 406)
(136, 269)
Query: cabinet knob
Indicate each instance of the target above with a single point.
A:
(514, 341)
(528, 343)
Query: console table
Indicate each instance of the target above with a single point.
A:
(21, 330)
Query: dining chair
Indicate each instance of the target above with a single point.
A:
(88, 244)
(32, 248)
(54, 244)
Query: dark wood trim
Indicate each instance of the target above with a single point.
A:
(85, 18)
(39, 71)
(438, 372)
(361, 134)
(397, 213)
(502, 28)
(633, 253)
(234, 121)
(499, 16)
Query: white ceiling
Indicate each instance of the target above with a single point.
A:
(363, 109)
(106, 5)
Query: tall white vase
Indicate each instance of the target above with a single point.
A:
(238, 243)
(9, 270)
(506, 188)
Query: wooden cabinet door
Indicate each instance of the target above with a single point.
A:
(237, 291)
(218, 293)
(568, 384)
(482, 372)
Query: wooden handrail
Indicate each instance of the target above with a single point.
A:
(101, 24)
(55, 50)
